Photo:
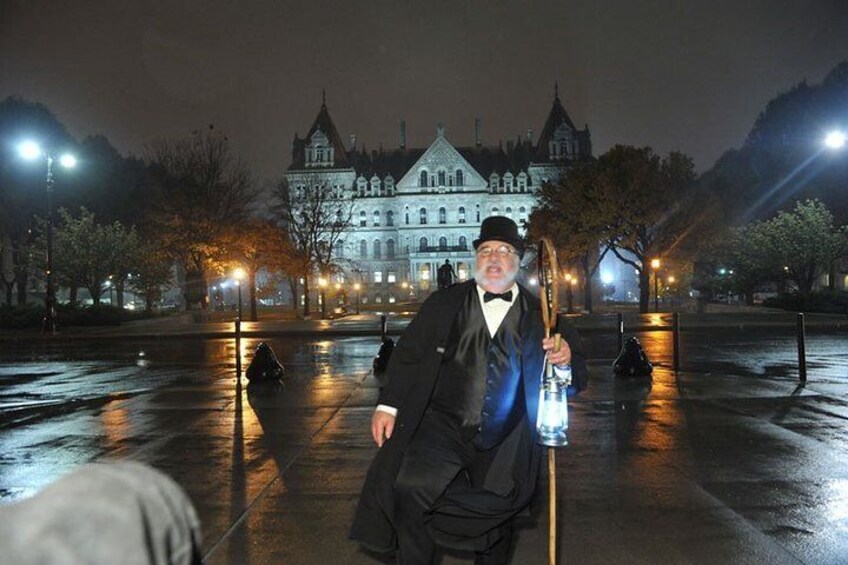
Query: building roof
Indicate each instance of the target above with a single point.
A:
(324, 122)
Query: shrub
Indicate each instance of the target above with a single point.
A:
(825, 301)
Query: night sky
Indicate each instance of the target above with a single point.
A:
(679, 75)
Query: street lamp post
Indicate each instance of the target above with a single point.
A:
(239, 275)
(655, 265)
(30, 150)
(356, 287)
(322, 284)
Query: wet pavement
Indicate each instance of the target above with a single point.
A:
(729, 460)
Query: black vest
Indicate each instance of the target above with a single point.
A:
(479, 384)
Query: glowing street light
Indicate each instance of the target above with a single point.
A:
(655, 265)
(322, 284)
(835, 140)
(30, 151)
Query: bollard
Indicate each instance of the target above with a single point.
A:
(676, 341)
(620, 317)
(383, 328)
(238, 350)
(802, 349)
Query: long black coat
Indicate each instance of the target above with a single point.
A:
(412, 372)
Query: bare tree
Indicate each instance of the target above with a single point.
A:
(316, 217)
(202, 192)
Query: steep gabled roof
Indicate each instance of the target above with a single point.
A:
(557, 117)
(324, 122)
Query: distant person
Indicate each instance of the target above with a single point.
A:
(107, 513)
(446, 275)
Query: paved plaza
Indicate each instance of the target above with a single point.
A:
(729, 460)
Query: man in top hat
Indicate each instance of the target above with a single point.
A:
(455, 423)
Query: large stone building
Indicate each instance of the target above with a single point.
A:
(413, 208)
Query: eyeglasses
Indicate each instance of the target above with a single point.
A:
(501, 251)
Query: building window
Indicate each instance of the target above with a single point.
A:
(460, 180)
(375, 186)
(461, 271)
(463, 243)
(391, 277)
(378, 253)
(424, 272)
(376, 217)
(443, 216)
(390, 249)
(378, 276)
(406, 214)
(361, 183)
(522, 214)
(422, 244)
(461, 215)
(443, 243)
(378, 298)
(363, 219)
(422, 179)
(508, 212)
(493, 182)
(392, 299)
(340, 249)
(389, 183)
(494, 211)
(478, 214)
(363, 249)
(422, 216)
(390, 218)
(441, 178)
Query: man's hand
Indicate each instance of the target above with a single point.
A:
(561, 357)
(382, 425)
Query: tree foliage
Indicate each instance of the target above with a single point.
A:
(202, 193)
(316, 219)
(570, 215)
(257, 244)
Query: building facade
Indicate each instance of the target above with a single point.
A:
(413, 208)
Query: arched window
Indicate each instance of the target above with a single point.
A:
(522, 214)
(443, 243)
(390, 218)
(478, 214)
(441, 178)
(422, 179)
(463, 243)
(460, 180)
(508, 212)
(363, 249)
(390, 249)
(363, 219)
(443, 216)
(378, 253)
(422, 244)
(406, 215)
(495, 211)
(422, 216)
(461, 214)
(376, 217)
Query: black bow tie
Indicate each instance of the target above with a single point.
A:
(489, 296)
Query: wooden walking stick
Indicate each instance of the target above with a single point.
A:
(552, 419)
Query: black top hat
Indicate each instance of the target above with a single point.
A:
(500, 228)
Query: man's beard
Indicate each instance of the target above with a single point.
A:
(509, 274)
